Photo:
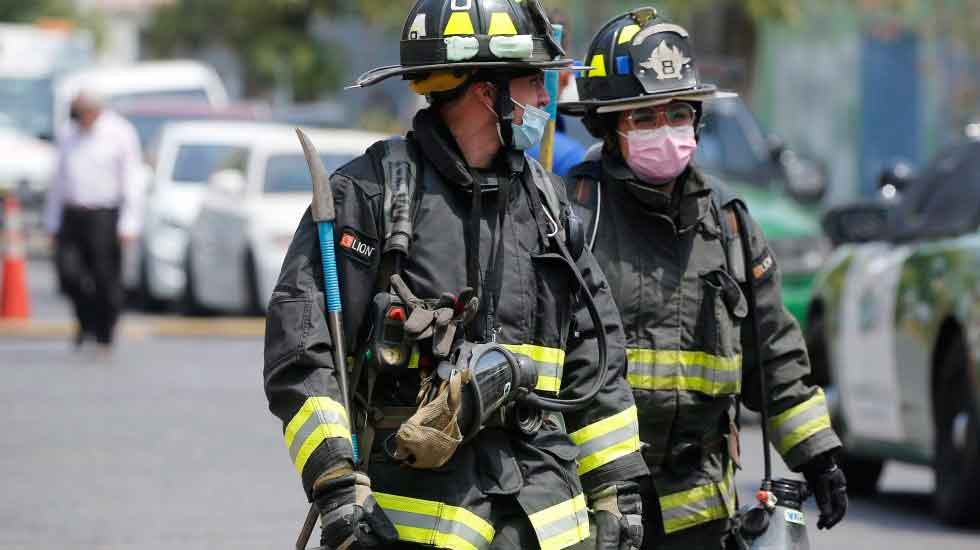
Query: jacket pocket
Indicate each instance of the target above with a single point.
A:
(723, 308)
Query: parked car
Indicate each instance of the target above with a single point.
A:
(779, 188)
(187, 80)
(188, 153)
(251, 209)
(894, 330)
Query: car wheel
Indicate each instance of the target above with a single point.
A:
(190, 305)
(957, 441)
(252, 285)
(862, 473)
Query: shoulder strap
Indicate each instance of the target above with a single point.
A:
(724, 201)
(585, 193)
(552, 201)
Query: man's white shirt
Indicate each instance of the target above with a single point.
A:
(101, 168)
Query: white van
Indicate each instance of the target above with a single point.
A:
(146, 80)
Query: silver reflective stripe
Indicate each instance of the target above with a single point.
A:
(605, 441)
(318, 418)
(436, 524)
(561, 525)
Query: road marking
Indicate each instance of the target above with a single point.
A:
(139, 328)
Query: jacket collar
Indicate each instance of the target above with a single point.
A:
(686, 206)
(440, 149)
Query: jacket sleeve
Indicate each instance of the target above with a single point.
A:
(799, 422)
(300, 375)
(607, 431)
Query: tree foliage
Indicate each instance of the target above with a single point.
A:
(27, 11)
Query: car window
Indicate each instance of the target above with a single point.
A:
(196, 162)
(945, 199)
(26, 103)
(290, 174)
(189, 94)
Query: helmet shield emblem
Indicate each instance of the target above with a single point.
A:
(663, 59)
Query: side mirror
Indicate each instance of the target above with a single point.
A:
(857, 223)
(230, 183)
(806, 180)
(894, 179)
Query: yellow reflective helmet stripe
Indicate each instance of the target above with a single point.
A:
(598, 65)
(627, 33)
(434, 523)
(501, 24)
(798, 423)
(550, 363)
(319, 418)
(459, 24)
(608, 439)
(561, 525)
(702, 504)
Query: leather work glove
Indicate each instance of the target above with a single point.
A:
(438, 320)
(349, 516)
(618, 511)
(828, 484)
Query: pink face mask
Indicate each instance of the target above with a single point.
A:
(660, 155)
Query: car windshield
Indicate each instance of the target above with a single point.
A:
(944, 200)
(290, 174)
(731, 140)
(196, 162)
(27, 104)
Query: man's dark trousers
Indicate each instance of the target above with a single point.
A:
(89, 263)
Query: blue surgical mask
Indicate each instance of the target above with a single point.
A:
(529, 134)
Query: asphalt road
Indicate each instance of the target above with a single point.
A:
(168, 444)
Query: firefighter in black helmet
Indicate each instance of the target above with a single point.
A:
(483, 217)
(674, 246)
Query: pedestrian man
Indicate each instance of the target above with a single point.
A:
(94, 207)
(484, 218)
(674, 246)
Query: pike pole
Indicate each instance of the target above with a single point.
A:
(551, 84)
(324, 216)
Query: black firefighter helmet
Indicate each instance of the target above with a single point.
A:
(638, 59)
(443, 41)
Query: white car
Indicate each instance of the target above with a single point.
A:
(250, 212)
(188, 153)
(138, 81)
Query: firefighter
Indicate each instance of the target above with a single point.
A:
(486, 227)
(670, 241)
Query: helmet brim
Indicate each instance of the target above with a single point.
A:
(380, 74)
(706, 92)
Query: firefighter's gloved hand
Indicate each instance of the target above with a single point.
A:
(829, 487)
(618, 511)
(349, 516)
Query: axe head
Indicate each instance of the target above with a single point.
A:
(323, 209)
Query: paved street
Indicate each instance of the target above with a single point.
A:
(169, 445)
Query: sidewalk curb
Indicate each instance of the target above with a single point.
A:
(139, 329)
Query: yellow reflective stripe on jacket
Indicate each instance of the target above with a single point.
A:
(797, 424)
(319, 418)
(434, 523)
(699, 505)
(650, 369)
(562, 525)
(549, 361)
(608, 439)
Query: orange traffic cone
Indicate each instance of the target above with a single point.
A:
(15, 301)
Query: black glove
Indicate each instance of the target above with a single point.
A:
(829, 486)
(618, 511)
(349, 515)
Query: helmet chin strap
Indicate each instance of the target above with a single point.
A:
(504, 108)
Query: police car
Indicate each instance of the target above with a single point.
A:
(894, 330)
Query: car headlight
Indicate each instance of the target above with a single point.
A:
(801, 256)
